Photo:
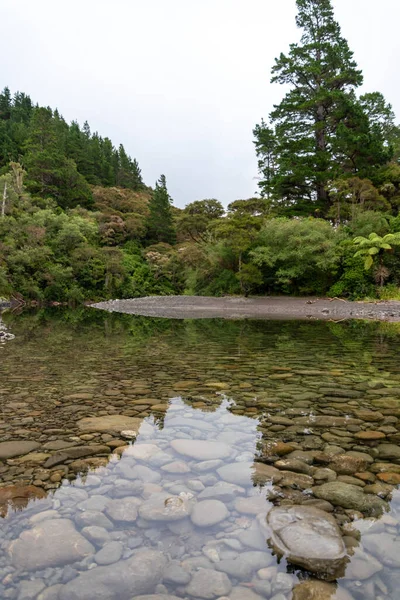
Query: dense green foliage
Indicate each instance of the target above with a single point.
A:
(78, 223)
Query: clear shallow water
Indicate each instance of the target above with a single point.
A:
(278, 411)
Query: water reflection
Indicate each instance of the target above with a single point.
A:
(230, 423)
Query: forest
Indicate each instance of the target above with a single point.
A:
(77, 222)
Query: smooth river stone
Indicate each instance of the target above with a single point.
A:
(209, 584)
(389, 451)
(350, 496)
(202, 449)
(109, 554)
(137, 575)
(142, 451)
(165, 507)
(343, 464)
(109, 423)
(247, 473)
(370, 435)
(123, 510)
(308, 537)
(208, 512)
(176, 467)
(226, 492)
(53, 543)
(11, 449)
(319, 590)
(246, 564)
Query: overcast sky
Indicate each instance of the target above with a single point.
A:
(181, 83)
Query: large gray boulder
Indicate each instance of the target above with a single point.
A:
(308, 537)
(52, 543)
(121, 581)
(201, 449)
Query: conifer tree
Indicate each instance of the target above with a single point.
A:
(160, 227)
(266, 151)
(319, 121)
(108, 170)
(50, 172)
(128, 174)
(5, 104)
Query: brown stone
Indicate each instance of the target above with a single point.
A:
(277, 448)
(109, 423)
(371, 416)
(343, 464)
(392, 478)
(365, 476)
(79, 396)
(160, 407)
(319, 590)
(185, 385)
(369, 435)
(296, 480)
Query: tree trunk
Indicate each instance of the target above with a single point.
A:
(320, 143)
(322, 195)
(3, 205)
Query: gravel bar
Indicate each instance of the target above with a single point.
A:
(201, 307)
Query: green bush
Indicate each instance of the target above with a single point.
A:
(355, 282)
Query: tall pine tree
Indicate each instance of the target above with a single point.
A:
(160, 227)
(128, 173)
(318, 122)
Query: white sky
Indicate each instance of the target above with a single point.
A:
(181, 83)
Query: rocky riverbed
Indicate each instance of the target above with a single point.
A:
(265, 465)
(270, 307)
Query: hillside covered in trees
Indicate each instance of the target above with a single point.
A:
(78, 223)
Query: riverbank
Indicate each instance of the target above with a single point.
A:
(267, 307)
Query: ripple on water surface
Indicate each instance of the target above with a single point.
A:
(148, 459)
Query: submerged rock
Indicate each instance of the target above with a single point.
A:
(319, 590)
(308, 537)
(208, 512)
(51, 543)
(350, 496)
(245, 565)
(123, 510)
(137, 575)
(209, 584)
(202, 449)
(165, 507)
